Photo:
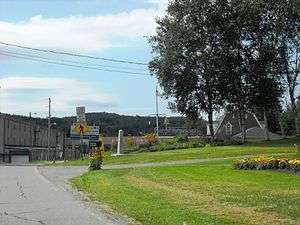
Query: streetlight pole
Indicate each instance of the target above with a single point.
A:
(157, 125)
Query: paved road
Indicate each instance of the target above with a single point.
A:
(29, 196)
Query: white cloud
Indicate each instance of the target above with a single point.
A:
(21, 95)
(162, 4)
(83, 34)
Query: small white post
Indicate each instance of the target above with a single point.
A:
(120, 143)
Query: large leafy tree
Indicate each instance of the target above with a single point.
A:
(234, 65)
(288, 28)
(251, 71)
(263, 56)
(186, 50)
(227, 52)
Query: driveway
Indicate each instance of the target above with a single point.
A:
(30, 196)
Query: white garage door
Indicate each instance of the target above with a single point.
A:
(19, 159)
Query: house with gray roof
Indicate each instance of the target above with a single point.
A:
(229, 127)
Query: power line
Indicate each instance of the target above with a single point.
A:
(69, 61)
(72, 65)
(73, 54)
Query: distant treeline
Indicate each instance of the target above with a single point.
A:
(110, 123)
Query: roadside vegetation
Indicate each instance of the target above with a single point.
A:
(210, 193)
(284, 146)
(151, 143)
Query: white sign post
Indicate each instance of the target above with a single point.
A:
(120, 144)
(80, 112)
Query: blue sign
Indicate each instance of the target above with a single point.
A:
(85, 137)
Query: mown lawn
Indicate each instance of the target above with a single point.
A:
(252, 148)
(211, 193)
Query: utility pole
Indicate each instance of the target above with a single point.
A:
(31, 141)
(56, 143)
(157, 94)
(64, 147)
(49, 128)
(157, 125)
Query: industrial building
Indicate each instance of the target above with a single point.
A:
(20, 137)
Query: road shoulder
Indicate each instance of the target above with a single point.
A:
(59, 176)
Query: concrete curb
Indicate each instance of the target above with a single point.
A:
(9, 164)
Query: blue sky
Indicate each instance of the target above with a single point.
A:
(111, 29)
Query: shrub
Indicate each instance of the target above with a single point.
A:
(96, 158)
(297, 150)
(153, 148)
(130, 142)
(149, 140)
(151, 143)
(113, 146)
(196, 144)
(180, 138)
(225, 143)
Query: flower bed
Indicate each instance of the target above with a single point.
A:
(264, 163)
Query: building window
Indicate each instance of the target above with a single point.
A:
(228, 129)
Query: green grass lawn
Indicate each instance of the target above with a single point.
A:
(253, 148)
(209, 193)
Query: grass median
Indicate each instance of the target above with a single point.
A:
(209, 193)
(257, 148)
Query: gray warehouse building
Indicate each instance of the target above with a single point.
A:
(20, 137)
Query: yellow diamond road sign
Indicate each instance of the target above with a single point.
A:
(81, 128)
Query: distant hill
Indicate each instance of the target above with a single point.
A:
(110, 123)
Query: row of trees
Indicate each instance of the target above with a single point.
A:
(238, 54)
(111, 123)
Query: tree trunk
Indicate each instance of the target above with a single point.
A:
(242, 122)
(267, 135)
(281, 125)
(294, 109)
(282, 129)
(296, 125)
(211, 126)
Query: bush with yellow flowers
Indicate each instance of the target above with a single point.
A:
(96, 158)
(263, 163)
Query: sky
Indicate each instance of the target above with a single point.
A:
(115, 29)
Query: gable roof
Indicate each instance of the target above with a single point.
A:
(230, 113)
